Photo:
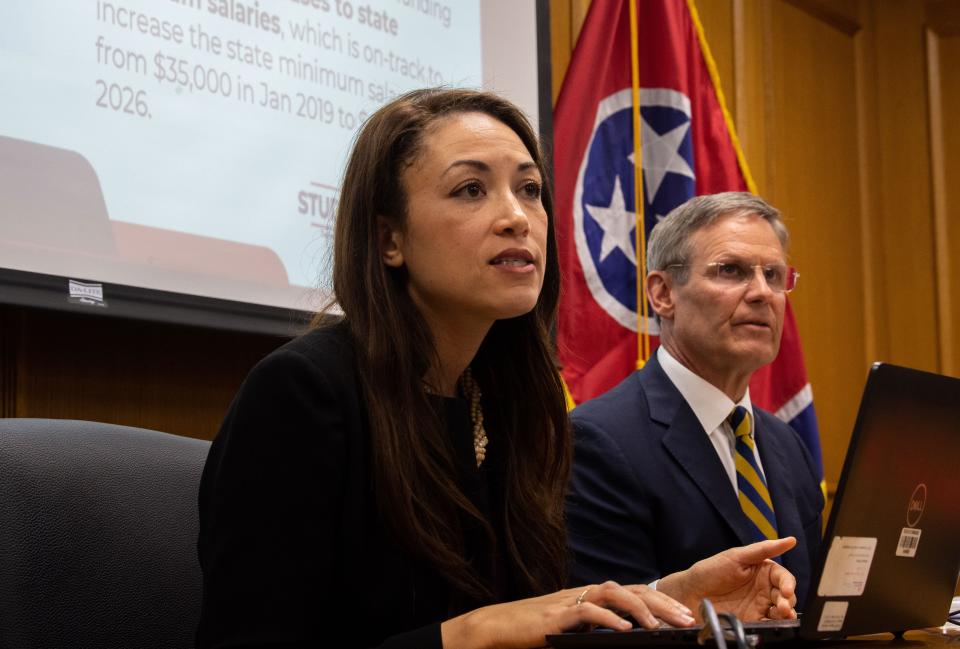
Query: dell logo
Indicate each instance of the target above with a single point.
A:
(918, 500)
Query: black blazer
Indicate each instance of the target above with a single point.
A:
(649, 496)
(292, 548)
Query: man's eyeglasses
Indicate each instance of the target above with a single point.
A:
(780, 278)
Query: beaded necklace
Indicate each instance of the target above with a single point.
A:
(471, 391)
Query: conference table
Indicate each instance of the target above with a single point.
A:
(918, 639)
(935, 637)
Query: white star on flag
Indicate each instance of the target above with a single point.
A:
(661, 155)
(617, 223)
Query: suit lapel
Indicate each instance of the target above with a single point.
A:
(689, 445)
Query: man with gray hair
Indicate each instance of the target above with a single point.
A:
(675, 464)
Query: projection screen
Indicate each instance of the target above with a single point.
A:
(180, 159)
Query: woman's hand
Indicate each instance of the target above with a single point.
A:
(743, 581)
(526, 623)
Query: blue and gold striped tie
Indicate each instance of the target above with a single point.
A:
(752, 488)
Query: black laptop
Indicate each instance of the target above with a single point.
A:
(891, 554)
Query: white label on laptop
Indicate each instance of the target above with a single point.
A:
(847, 566)
(909, 541)
(832, 616)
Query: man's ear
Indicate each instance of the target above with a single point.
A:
(390, 240)
(660, 293)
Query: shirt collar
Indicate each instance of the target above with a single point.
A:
(710, 405)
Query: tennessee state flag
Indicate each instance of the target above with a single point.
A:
(688, 148)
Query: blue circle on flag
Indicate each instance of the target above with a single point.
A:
(608, 188)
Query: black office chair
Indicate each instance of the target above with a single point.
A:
(98, 527)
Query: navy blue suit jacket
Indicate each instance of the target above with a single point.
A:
(649, 495)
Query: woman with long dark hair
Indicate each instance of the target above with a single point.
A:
(396, 476)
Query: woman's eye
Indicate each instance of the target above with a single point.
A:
(532, 189)
(471, 190)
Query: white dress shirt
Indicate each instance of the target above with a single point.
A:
(711, 407)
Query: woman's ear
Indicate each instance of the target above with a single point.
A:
(390, 243)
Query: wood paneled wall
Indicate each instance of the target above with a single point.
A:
(172, 378)
(943, 100)
(847, 111)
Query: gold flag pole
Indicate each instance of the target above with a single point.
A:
(643, 334)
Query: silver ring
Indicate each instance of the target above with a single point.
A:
(582, 595)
